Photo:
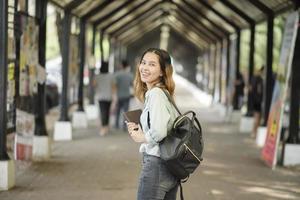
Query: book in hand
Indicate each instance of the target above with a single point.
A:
(133, 116)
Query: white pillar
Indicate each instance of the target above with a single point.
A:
(7, 174)
(246, 124)
(164, 37)
(62, 131)
(92, 111)
(41, 149)
(291, 154)
(79, 119)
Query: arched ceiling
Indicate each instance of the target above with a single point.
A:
(201, 21)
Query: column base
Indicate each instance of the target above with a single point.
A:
(291, 154)
(261, 136)
(236, 116)
(62, 131)
(222, 110)
(7, 171)
(41, 148)
(79, 120)
(246, 124)
(92, 111)
(231, 116)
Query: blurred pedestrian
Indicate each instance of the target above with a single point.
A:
(123, 84)
(104, 93)
(239, 91)
(256, 88)
(153, 75)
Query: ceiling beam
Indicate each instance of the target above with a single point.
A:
(96, 10)
(191, 16)
(130, 33)
(137, 19)
(262, 7)
(56, 4)
(228, 21)
(192, 40)
(229, 5)
(73, 4)
(134, 34)
(186, 32)
(190, 6)
(112, 13)
(139, 26)
(138, 34)
(152, 15)
(129, 12)
(197, 30)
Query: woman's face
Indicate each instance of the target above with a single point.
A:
(150, 70)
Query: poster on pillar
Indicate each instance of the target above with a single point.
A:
(25, 127)
(11, 83)
(280, 91)
(11, 97)
(28, 87)
(28, 57)
(73, 82)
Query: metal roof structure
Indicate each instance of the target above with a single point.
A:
(205, 21)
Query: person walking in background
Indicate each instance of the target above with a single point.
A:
(256, 88)
(153, 75)
(123, 83)
(104, 89)
(239, 91)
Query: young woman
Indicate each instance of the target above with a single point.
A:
(153, 75)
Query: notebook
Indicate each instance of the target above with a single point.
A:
(133, 116)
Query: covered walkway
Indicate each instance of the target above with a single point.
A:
(94, 167)
(212, 44)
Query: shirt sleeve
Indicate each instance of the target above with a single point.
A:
(159, 116)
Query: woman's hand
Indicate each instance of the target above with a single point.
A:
(136, 133)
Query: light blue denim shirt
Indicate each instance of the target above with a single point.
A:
(162, 115)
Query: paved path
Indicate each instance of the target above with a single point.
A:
(95, 168)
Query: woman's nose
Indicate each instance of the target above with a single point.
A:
(145, 66)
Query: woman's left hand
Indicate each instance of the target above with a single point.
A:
(136, 133)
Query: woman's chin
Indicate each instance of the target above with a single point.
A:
(144, 80)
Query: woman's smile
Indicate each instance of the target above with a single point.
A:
(145, 74)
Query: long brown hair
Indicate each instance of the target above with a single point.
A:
(166, 81)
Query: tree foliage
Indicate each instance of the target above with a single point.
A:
(261, 44)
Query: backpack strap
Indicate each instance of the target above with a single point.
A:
(148, 120)
(171, 100)
(181, 191)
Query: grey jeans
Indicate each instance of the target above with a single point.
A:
(156, 182)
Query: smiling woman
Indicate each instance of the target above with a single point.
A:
(153, 75)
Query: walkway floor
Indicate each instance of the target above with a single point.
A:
(93, 167)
